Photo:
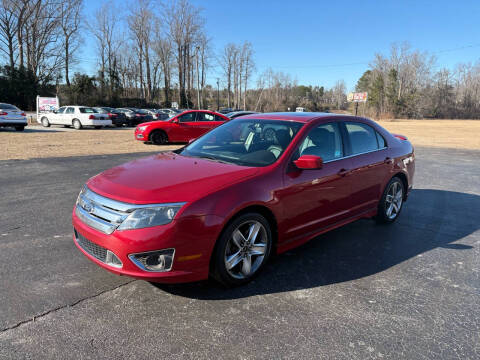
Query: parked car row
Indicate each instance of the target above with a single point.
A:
(159, 126)
(102, 116)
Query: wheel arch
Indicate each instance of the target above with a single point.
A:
(404, 179)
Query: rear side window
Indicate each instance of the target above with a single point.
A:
(205, 117)
(381, 141)
(87, 110)
(219, 118)
(363, 138)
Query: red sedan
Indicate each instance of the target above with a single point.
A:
(181, 128)
(256, 185)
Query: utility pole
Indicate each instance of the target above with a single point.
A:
(218, 94)
(198, 81)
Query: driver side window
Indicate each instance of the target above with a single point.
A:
(61, 110)
(187, 117)
(325, 141)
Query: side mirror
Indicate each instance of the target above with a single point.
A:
(175, 120)
(309, 162)
(190, 141)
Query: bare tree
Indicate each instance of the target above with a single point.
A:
(69, 18)
(8, 30)
(184, 23)
(104, 28)
(140, 24)
(227, 62)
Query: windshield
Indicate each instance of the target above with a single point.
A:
(246, 142)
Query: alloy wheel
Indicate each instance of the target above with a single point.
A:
(246, 249)
(394, 200)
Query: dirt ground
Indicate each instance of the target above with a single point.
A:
(37, 142)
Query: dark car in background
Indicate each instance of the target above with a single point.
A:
(157, 114)
(234, 114)
(135, 116)
(118, 118)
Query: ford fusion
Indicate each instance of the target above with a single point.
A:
(254, 186)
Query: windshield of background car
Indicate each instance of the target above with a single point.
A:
(143, 112)
(87, 110)
(246, 142)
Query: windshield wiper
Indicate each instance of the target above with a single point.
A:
(215, 159)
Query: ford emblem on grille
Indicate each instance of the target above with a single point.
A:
(88, 206)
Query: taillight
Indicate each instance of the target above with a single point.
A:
(138, 115)
(401, 137)
(92, 117)
(23, 114)
(3, 113)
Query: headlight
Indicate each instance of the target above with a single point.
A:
(142, 128)
(151, 216)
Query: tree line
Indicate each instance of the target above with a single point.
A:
(155, 52)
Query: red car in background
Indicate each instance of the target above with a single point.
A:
(181, 128)
(254, 186)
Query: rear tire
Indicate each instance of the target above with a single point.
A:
(158, 137)
(77, 124)
(19, 128)
(45, 122)
(238, 257)
(391, 203)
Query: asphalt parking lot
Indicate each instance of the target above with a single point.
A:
(410, 290)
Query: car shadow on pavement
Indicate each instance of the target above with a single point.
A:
(430, 219)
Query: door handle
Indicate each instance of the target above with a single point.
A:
(343, 172)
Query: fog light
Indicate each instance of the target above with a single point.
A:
(154, 261)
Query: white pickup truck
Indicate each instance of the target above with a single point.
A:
(76, 116)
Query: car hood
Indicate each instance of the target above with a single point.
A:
(167, 177)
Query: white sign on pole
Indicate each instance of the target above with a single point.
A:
(46, 105)
(357, 97)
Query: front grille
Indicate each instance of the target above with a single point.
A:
(97, 251)
(99, 212)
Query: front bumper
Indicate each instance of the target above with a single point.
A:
(140, 136)
(192, 238)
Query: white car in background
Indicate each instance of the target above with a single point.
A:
(11, 116)
(76, 116)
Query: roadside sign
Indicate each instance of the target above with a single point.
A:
(174, 105)
(357, 97)
(46, 105)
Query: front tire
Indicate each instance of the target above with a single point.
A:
(158, 137)
(45, 122)
(242, 250)
(77, 124)
(390, 204)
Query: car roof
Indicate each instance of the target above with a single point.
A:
(293, 116)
